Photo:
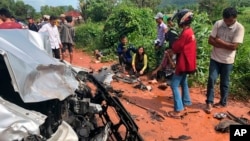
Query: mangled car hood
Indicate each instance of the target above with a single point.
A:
(35, 74)
(17, 122)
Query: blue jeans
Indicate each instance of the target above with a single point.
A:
(184, 100)
(216, 68)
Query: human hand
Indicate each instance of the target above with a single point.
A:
(154, 72)
(141, 72)
(124, 50)
(169, 52)
(60, 45)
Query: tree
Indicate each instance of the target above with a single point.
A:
(240, 3)
(8, 4)
(22, 10)
(214, 8)
(97, 10)
(18, 9)
(51, 10)
(146, 3)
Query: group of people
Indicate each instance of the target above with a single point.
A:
(61, 36)
(179, 59)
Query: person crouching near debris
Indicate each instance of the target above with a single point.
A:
(98, 55)
(167, 68)
(124, 53)
(185, 49)
(139, 62)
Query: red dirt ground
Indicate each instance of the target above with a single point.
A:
(200, 126)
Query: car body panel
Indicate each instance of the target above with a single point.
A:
(30, 68)
(17, 122)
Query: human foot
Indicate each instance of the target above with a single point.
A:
(208, 108)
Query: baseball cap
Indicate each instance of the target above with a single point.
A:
(62, 16)
(46, 16)
(158, 15)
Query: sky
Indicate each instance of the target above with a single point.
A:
(38, 3)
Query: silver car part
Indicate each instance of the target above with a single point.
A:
(30, 68)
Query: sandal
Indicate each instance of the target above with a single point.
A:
(218, 105)
(152, 81)
(208, 109)
(175, 115)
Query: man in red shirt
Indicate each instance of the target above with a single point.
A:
(5, 16)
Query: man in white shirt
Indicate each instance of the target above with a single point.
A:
(54, 36)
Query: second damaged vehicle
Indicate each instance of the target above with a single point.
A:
(42, 98)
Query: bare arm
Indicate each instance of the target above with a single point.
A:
(157, 69)
(171, 62)
(217, 42)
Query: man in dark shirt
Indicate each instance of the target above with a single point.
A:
(31, 24)
(124, 52)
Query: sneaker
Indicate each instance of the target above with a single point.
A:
(208, 108)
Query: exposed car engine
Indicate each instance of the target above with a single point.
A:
(46, 99)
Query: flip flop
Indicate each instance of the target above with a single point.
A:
(173, 115)
(208, 109)
(152, 82)
(218, 105)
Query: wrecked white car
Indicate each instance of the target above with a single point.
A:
(42, 98)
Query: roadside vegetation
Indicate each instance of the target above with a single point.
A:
(140, 27)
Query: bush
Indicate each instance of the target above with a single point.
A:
(89, 35)
(202, 27)
(137, 24)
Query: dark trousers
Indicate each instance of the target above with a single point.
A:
(56, 53)
(127, 62)
(138, 68)
(224, 70)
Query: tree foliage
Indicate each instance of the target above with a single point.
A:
(17, 8)
(89, 35)
(51, 10)
(240, 3)
(137, 24)
(214, 8)
(97, 10)
(178, 3)
(146, 3)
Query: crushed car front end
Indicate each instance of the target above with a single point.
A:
(69, 106)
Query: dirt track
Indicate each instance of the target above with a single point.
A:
(199, 126)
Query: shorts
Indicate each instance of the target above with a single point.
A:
(66, 46)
